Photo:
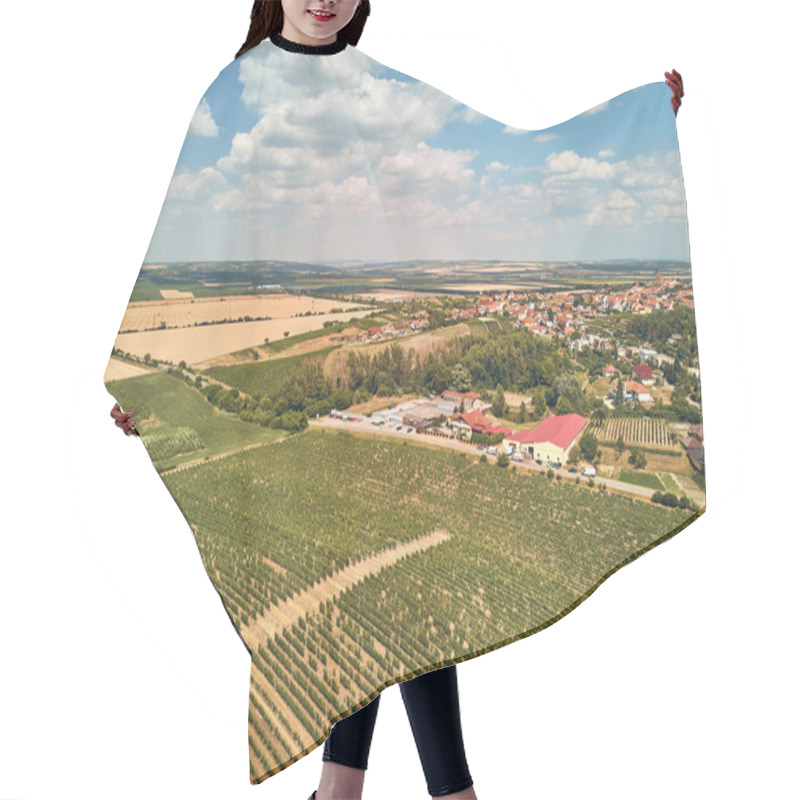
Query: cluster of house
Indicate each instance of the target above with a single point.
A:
(634, 389)
(379, 333)
(549, 442)
(565, 312)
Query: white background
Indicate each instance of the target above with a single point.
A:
(120, 673)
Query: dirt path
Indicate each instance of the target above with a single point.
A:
(278, 618)
(217, 456)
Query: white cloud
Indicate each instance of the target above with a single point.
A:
(568, 165)
(187, 185)
(606, 154)
(597, 108)
(202, 123)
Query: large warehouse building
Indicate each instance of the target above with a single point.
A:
(551, 440)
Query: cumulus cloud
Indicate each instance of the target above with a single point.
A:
(202, 123)
(188, 185)
(568, 165)
(350, 159)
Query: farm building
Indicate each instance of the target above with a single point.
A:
(635, 391)
(644, 374)
(475, 422)
(421, 414)
(551, 440)
(695, 448)
(610, 370)
(469, 398)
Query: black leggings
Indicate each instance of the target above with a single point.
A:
(432, 706)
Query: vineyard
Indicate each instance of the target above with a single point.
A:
(638, 431)
(274, 521)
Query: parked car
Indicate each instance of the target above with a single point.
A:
(590, 472)
(410, 430)
(398, 427)
(518, 456)
(492, 451)
(480, 447)
(573, 469)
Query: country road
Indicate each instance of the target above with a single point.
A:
(366, 427)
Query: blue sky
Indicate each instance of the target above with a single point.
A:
(299, 157)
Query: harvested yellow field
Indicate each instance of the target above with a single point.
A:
(118, 369)
(174, 294)
(198, 345)
(148, 315)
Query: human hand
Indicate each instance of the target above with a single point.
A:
(122, 419)
(675, 82)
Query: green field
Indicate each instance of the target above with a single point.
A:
(169, 403)
(646, 479)
(262, 377)
(272, 521)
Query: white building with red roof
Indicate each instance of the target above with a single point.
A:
(635, 391)
(470, 399)
(551, 440)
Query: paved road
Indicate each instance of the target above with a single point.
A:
(365, 426)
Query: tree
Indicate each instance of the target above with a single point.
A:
(574, 456)
(563, 406)
(538, 402)
(499, 405)
(620, 396)
(638, 459)
(522, 416)
(588, 445)
(460, 378)
(503, 460)
(620, 446)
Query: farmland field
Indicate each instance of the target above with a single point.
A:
(638, 431)
(504, 552)
(161, 404)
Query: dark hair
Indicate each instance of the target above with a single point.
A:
(266, 18)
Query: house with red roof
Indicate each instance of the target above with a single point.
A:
(551, 440)
(695, 447)
(644, 374)
(635, 391)
(475, 422)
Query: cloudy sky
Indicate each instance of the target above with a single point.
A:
(302, 157)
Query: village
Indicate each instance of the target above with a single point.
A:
(566, 314)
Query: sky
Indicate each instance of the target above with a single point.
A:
(299, 157)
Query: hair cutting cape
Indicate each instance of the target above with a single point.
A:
(418, 381)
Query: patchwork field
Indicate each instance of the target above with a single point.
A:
(199, 345)
(180, 311)
(346, 561)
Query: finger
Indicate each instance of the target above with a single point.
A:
(675, 76)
